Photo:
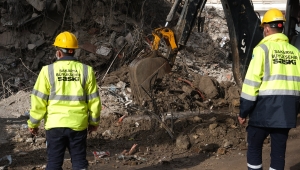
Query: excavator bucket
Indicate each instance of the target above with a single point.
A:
(143, 72)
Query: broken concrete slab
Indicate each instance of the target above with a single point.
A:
(60, 7)
(51, 24)
(103, 50)
(75, 13)
(37, 4)
(36, 61)
(208, 85)
(129, 38)
(88, 47)
(7, 39)
(31, 46)
(39, 42)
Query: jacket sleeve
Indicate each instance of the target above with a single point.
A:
(93, 99)
(252, 82)
(39, 99)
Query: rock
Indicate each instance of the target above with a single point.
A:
(197, 119)
(20, 139)
(212, 119)
(37, 59)
(234, 92)
(22, 154)
(129, 38)
(213, 126)
(187, 89)
(230, 121)
(39, 42)
(34, 15)
(183, 142)
(120, 41)
(195, 136)
(37, 4)
(107, 133)
(210, 147)
(208, 85)
(221, 151)
(29, 140)
(7, 39)
(103, 51)
(31, 46)
(40, 140)
(76, 14)
(196, 150)
(227, 144)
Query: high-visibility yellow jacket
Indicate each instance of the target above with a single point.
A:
(65, 95)
(271, 89)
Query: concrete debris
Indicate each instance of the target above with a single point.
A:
(51, 24)
(38, 4)
(120, 41)
(103, 51)
(221, 151)
(7, 39)
(29, 140)
(37, 59)
(39, 42)
(40, 140)
(31, 46)
(129, 38)
(183, 142)
(89, 47)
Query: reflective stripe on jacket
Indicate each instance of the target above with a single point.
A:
(65, 95)
(271, 89)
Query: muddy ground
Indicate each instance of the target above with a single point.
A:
(207, 140)
(196, 135)
(188, 120)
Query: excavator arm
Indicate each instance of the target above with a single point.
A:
(244, 32)
(243, 25)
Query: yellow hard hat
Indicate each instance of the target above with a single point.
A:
(66, 40)
(273, 15)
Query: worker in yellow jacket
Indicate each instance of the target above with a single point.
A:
(66, 96)
(271, 93)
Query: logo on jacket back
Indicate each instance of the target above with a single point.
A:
(68, 75)
(284, 57)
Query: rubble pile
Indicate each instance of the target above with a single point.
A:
(106, 42)
(28, 29)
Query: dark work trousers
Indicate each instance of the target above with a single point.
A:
(255, 139)
(58, 139)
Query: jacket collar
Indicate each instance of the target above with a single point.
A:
(274, 37)
(67, 58)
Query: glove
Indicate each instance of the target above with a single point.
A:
(92, 128)
(33, 131)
